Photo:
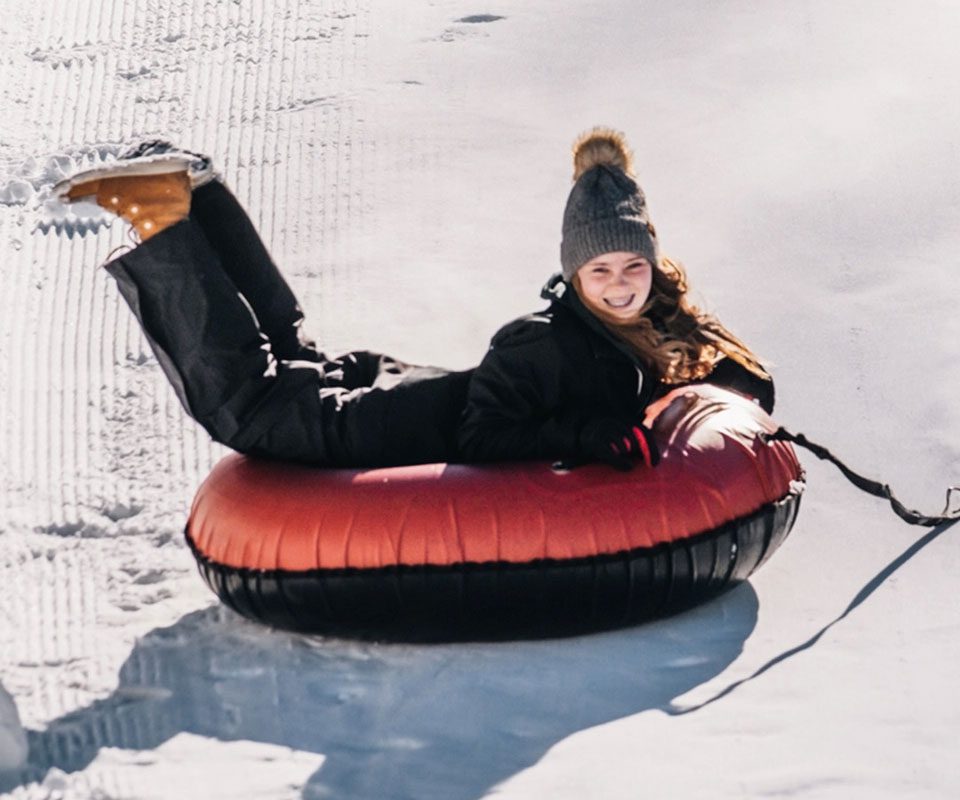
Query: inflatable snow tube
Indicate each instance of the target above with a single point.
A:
(450, 551)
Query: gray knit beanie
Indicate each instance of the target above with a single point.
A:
(606, 210)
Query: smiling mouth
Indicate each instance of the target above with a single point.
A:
(619, 303)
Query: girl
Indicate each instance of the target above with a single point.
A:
(571, 382)
(619, 333)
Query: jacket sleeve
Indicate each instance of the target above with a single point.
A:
(513, 410)
(731, 375)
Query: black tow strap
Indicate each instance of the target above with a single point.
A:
(875, 488)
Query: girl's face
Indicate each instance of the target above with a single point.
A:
(619, 283)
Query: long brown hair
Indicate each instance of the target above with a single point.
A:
(673, 336)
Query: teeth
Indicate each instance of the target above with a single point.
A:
(619, 303)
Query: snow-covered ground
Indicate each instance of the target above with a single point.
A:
(407, 164)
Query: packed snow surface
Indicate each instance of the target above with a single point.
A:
(407, 164)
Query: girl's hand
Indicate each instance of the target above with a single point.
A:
(619, 443)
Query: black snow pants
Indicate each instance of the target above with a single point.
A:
(226, 329)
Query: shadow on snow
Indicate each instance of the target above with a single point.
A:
(392, 721)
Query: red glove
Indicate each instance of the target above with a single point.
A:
(618, 442)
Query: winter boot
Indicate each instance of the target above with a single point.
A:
(150, 203)
(149, 185)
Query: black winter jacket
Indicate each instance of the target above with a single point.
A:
(544, 376)
(547, 374)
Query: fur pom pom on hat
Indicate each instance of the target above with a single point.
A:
(606, 210)
(601, 146)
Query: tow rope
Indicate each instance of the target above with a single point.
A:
(875, 488)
